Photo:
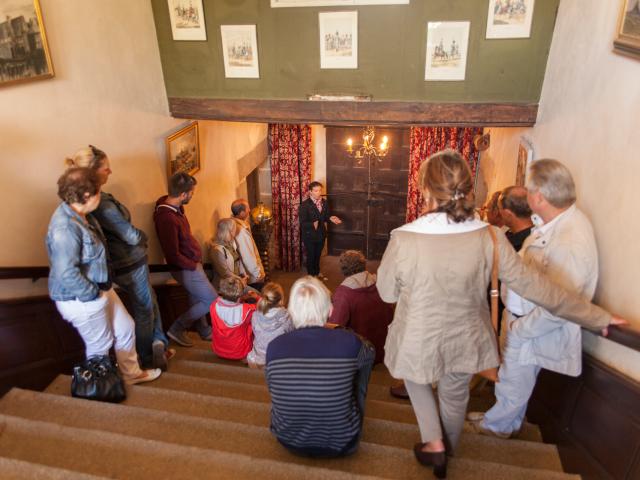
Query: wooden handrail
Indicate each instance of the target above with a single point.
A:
(627, 336)
(35, 273)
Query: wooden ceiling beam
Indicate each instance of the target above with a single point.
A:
(356, 113)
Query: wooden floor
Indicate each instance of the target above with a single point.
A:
(329, 266)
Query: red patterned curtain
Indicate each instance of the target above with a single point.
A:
(426, 141)
(290, 150)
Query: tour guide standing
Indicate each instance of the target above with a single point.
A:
(314, 215)
(184, 256)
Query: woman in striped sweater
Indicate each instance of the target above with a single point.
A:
(317, 378)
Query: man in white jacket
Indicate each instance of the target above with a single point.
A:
(247, 248)
(563, 247)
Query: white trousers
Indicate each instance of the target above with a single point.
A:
(512, 391)
(104, 322)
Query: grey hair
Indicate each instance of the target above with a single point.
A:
(309, 303)
(553, 180)
(225, 231)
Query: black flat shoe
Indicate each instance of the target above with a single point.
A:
(437, 460)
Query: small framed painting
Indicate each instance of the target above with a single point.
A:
(525, 156)
(338, 39)
(24, 52)
(628, 40)
(183, 151)
(333, 3)
(509, 18)
(240, 51)
(187, 19)
(447, 44)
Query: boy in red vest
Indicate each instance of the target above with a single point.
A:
(232, 336)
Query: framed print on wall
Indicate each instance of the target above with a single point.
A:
(628, 39)
(183, 151)
(525, 156)
(240, 51)
(509, 18)
(338, 39)
(447, 44)
(187, 19)
(24, 52)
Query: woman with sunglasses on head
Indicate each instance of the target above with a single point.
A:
(79, 279)
(127, 248)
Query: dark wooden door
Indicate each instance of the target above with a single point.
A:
(369, 196)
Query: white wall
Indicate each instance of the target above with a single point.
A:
(589, 118)
(108, 91)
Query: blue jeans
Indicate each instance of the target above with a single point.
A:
(512, 391)
(201, 296)
(144, 310)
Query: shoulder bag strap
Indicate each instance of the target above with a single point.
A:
(494, 284)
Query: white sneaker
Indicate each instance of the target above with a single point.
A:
(475, 416)
(146, 376)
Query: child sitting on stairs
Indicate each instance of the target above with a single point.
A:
(270, 321)
(232, 335)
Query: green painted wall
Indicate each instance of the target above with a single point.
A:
(391, 56)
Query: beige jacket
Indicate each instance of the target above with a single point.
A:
(438, 273)
(565, 251)
(249, 253)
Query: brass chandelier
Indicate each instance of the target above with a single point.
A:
(368, 148)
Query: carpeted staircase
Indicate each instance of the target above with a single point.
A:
(209, 418)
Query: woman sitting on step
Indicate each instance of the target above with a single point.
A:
(317, 378)
(231, 334)
(80, 281)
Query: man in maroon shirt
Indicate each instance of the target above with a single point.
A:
(184, 256)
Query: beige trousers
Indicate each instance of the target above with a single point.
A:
(453, 396)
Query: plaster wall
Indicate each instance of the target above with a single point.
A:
(588, 119)
(108, 91)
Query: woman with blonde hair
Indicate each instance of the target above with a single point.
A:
(79, 279)
(127, 246)
(437, 269)
(317, 378)
(270, 321)
(224, 255)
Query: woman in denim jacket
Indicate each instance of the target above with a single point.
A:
(79, 280)
(127, 248)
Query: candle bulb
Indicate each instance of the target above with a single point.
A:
(349, 145)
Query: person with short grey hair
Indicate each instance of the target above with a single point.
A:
(563, 248)
(314, 367)
(246, 245)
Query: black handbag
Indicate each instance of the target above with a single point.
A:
(98, 378)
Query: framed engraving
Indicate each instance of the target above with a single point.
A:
(240, 51)
(447, 44)
(338, 39)
(509, 18)
(187, 20)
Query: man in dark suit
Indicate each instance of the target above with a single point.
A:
(314, 215)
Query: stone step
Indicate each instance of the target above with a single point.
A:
(221, 436)
(11, 469)
(115, 455)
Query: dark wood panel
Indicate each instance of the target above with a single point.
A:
(355, 113)
(37, 344)
(594, 419)
(367, 219)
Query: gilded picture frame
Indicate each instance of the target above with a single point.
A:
(24, 50)
(628, 40)
(183, 151)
